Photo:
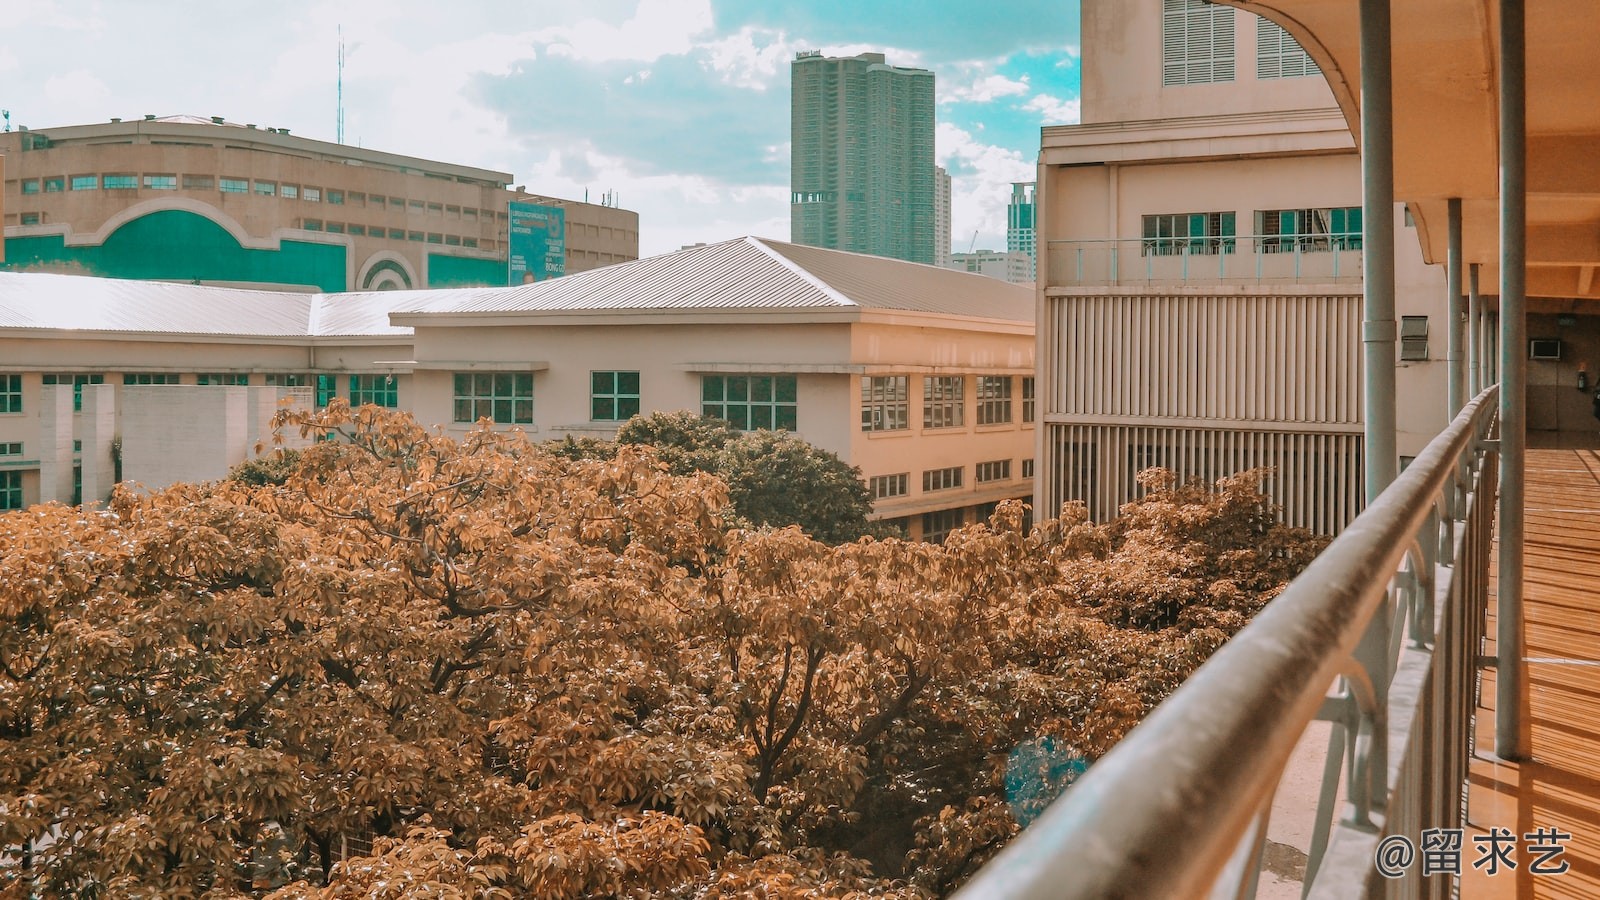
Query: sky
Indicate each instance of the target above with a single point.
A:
(678, 107)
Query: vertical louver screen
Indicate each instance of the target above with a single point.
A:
(1278, 55)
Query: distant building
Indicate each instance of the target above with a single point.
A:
(205, 200)
(920, 376)
(941, 216)
(1020, 230)
(861, 158)
(1011, 267)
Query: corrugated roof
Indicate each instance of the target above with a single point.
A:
(748, 274)
(75, 302)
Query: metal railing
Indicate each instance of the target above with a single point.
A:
(1180, 808)
(1241, 259)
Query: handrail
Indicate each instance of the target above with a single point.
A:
(1163, 812)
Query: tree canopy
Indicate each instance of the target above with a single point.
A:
(480, 668)
(773, 477)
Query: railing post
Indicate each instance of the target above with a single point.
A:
(1510, 732)
(1475, 316)
(1456, 335)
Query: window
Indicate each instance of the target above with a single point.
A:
(11, 490)
(942, 479)
(267, 188)
(150, 378)
(326, 386)
(30, 185)
(942, 401)
(1027, 468)
(414, 236)
(77, 382)
(198, 182)
(237, 379)
(85, 182)
(336, 197)
(502, 397)
(936, 526)
(29, 218)
(1196, 42)
(289, 192)
(311, 195)
(994, 400)
(54, 185)
(12, 449)
(465, 242)
(435, 209)
(1177, 234)
(398, 203)
(751, 401)
(379, 390)
(1414, 337)
(1027, 398)
(885, 403)
(311, 224)
(1309, 230)
(1278, 55)
(395, 234)
(613, 396)
(357, 198)
(358, 230)
(336, 228)
(435, 238)
(377, 199)
(10, 393)
(235, 186)
(121, 182)
(997, 470)
(288, 379)
(417, 206)
(883, 486)
(452, 240)
(161, 182)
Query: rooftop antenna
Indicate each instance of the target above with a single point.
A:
(339, 129)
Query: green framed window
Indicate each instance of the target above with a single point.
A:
(10, 393)
(11, 489)
(267, 188)
(751, 402)
(235, 186)
(150, 378)
(86, 182)
(505, 398)
(235, 379)
(30, 185)
(77, 381)
(54, 185)
(161, 182)
(379, 390)
(613, 396)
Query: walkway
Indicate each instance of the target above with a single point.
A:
(1560, 788)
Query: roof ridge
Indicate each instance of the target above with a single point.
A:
(804, 273)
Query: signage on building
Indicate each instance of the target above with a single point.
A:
(537, 243)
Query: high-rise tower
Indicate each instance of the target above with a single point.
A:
(1020, 229)
(861, 160)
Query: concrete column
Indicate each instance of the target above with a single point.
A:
(55, 443)
(1511, 739)
(99, 420)
(1457, 393)
(1377, 242)
(1475, 317)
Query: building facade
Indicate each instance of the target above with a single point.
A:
(1200, 279)
(920, 376)
(1020, 230)
(941, 216)
(187, 199)
(861, 173)
(1011, 267)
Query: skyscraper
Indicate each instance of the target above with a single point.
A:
(1020, 229)
(861, 165)
(941, 216)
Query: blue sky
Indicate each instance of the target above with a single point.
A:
(681, 107)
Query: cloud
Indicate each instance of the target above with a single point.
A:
(753, 58)
(980, 185)
(657, 28)
(79, 94)
(942, 32)
(1054, 110)
(983, 89)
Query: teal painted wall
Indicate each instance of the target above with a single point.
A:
(179, 245)
(459, 271)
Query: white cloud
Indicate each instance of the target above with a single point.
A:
(983, 90)
(8, 60)
(657, 28)
(980, 186)
(751, 58)
(77, 96)
(1054, 110)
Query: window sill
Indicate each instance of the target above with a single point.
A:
(893, 433)
(998, 426)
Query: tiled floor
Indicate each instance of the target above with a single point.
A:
(1560, 787)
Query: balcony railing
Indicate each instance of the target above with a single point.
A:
(1246, 259)
(1180, 808)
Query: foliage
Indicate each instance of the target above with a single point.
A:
(773, 477)
(527, 675)
(269, 468)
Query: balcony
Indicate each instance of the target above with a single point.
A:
(1167, 261)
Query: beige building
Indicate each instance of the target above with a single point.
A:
(1201, 265)
(209, 201)
(920, 376)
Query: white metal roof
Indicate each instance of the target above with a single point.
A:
(740, 275)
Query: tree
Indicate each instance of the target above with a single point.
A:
(524, 675)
